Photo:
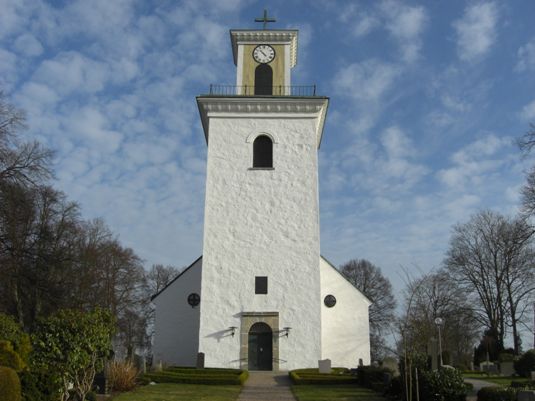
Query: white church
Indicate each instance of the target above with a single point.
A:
(261, 297)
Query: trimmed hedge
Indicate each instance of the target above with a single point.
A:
(312, 376)
(496, 393)
(198, 376)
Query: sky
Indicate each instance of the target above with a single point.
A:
(426, 100)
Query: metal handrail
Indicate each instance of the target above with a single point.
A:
(250, 90)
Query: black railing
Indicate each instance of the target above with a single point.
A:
(250, 90)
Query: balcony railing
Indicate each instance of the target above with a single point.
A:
(249, 90)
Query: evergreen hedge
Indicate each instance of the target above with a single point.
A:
(198, 376)
(312, 376)
(496, 393)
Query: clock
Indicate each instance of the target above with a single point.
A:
(263, 54)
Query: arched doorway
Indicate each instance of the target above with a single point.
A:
(260, 347)
(263, 80)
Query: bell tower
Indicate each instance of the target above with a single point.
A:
(264, 59)
(260, 295)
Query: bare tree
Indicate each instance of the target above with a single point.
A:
(434, 296)
(159, 276)
(490, 256)
(23, 163)
(369, 279)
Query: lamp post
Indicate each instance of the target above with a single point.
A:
(439, 321)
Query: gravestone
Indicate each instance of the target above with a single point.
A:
(532, 375)
(507, 368)
(324, 365)
(200, 360)
(489, 367)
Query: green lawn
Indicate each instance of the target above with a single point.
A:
(324, 392)
(504, 381)
(181, 392)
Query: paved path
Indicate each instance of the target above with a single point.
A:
(267, 386)
(478, 384)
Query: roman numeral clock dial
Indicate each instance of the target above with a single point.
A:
(263, 54)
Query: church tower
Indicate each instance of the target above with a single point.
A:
(261, 297)
(260, 287)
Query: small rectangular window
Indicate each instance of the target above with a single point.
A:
(261, 284)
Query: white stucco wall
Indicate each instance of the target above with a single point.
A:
(345, 334)
(176, 338)
(261, 223)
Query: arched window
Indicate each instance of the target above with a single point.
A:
(263, 80)
(262, 151)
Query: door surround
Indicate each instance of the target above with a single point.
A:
(247, 320)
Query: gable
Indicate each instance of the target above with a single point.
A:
(341, 280)
(181, 274)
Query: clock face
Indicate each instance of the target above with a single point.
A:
(264, 54)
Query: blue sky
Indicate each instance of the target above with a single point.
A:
(426, 100)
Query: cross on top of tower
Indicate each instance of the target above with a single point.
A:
(265, 19)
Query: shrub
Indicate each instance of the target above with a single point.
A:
(121, 375)
(526, 363)
(9, 384)
(72, 345)
(11, 331)
(37, 386)
(370, 376)
(442, 384)
(9, 358)
(496, 393)
(312, 376)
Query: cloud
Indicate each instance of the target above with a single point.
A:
(528, 112)
(406, 25)
(8, 69)
(476, 30)
(71, 71)
(474, 162)
(28, 45)
(526, 57)
(366, 81)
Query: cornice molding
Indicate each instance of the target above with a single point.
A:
(264, 36)
(283, 107)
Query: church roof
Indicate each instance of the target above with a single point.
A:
(176, 278)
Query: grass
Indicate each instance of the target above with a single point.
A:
(504, 381)
(325, 392)
(181, 392)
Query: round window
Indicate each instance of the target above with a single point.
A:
(329, 301)
(194, 299)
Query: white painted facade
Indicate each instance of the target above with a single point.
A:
(345, 329)
(262, 222)
(176, 327)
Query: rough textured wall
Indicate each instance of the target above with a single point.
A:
(345, 332)
(176, 339)
(261, 223)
